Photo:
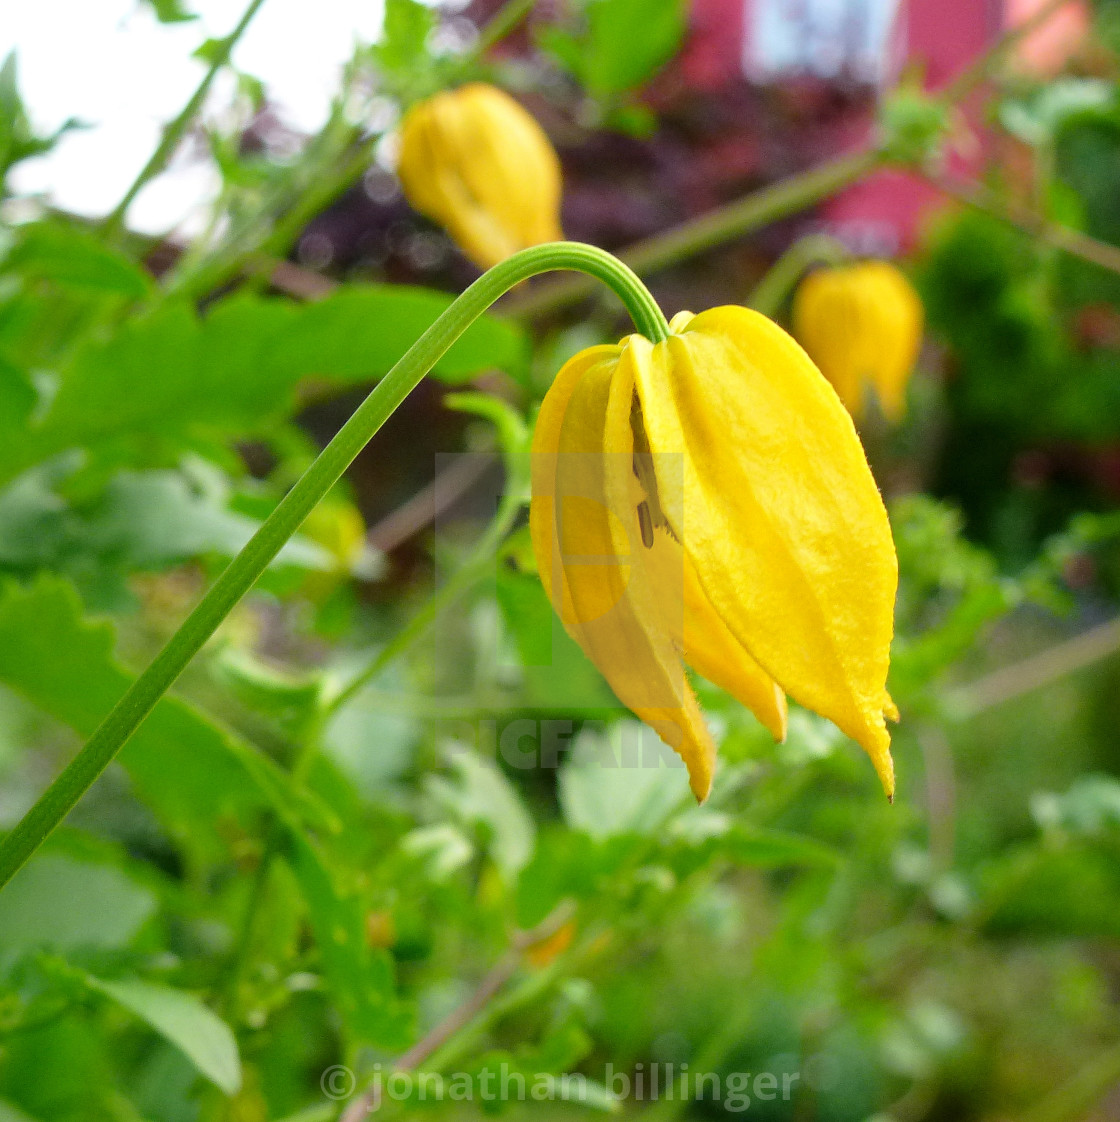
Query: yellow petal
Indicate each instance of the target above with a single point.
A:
(473, 160)
(589, 550)
(779, 512)
(828, 322)
(713, 651)
(546, 447)
(684, 612)
(861, 324)
(898, 331)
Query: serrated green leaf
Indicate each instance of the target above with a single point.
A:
(141, 522)
(181, 1018)
(236, 369)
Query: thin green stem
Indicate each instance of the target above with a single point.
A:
(175, 130)
(247, 566)
(718, 226)
(476, 565)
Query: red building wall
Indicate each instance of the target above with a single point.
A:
(937, 38)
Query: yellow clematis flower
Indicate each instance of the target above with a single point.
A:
(473, 160)
(861, 324)
(706, 499)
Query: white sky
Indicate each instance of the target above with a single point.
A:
(113, 65)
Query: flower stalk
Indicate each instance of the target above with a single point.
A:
(243, 572)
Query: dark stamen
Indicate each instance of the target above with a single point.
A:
(645, 523)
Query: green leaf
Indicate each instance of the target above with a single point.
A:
(66, 255)
(527, 613)
(141, 521)
(557, 674)
(630, 40)
(564, 864)
(1040, 117)
(232, 372)
(192, 772)
(212, 51)
(171, 11)
(156, 519)
(625, 43)
(181, 1018)
(65, 904)
(404, 34)
(622, 782)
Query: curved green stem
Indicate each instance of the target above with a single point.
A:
(247, 566)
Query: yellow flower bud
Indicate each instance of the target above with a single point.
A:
(861, 324)
(706, 499)
(476, 162)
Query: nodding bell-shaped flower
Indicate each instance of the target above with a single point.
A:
(862, 325)
(473, 160)
(705, 500)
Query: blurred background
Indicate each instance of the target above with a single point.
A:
(326, 852)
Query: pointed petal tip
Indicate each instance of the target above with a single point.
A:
(701, 788)
(885, 771)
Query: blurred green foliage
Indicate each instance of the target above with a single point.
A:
(366, 809)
